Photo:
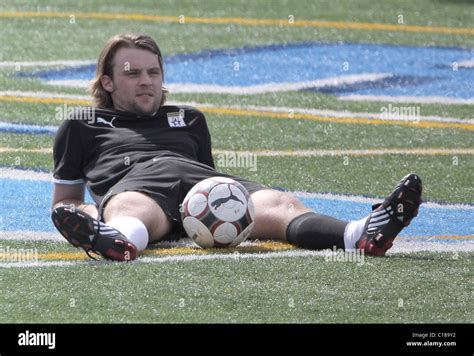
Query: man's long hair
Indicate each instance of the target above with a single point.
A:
(105, 64)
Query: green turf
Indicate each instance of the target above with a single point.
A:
(40, 246)
(42, 113)
(84, 39)
(31, 113)
(26, 160)
(403, 288)
(422, 12)
(26, 141)
(447, 178)
(384, 290)
(249, 133)
(282, 134)
(89, 36)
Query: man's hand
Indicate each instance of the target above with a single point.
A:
(89, 209)
(73, 194)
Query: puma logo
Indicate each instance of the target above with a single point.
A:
(103, 121)
(218, 202)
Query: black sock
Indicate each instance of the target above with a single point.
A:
(316, 232)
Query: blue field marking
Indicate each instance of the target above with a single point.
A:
(27, 129)
(26, 206)
(416, 71)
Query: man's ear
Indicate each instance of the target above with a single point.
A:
(107, 83)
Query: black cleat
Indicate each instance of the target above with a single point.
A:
(390, 217)
(82, 230)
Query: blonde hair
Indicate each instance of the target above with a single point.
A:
(105, 64)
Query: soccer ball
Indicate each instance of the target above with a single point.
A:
(218, 212)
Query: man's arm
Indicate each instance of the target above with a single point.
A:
(68, 175)
(67, 194)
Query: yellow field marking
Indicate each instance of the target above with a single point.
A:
(304, 153)
(263, 246)
(271, 114)
(267, 246)
(27, 99)
(63, 256)
(345, 120)
(341, 25)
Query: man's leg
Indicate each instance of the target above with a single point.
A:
(132, 220)
(142, 207)
(133, 212)
(281, 216)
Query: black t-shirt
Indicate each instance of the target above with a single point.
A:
(100, 146)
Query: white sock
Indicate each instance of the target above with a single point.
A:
(133, 229)
(353, 233)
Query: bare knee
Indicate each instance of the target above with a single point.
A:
(274, 210)
(125, 204)
(288, 203)
(140, 206)
(276, 202)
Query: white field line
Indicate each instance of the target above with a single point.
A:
(409, 99)
(73, 63)
(32, 264)
(180, 88)
(368, 152)
(25, 150)
(361, 199)
(65, 63)
(70, 83)
(276, 109)
(469, 63)
(249, 90)
(399, 248)
(43, 95)
(12, 173)
(333, 113)
(252, 89)
(20, 174)
(277, 87)
(6, 236)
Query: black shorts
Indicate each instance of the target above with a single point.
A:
(167, 180)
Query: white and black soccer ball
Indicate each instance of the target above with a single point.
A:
(218, 212)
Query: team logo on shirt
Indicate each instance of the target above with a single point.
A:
(176, 119)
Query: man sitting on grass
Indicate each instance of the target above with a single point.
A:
(139, 158)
